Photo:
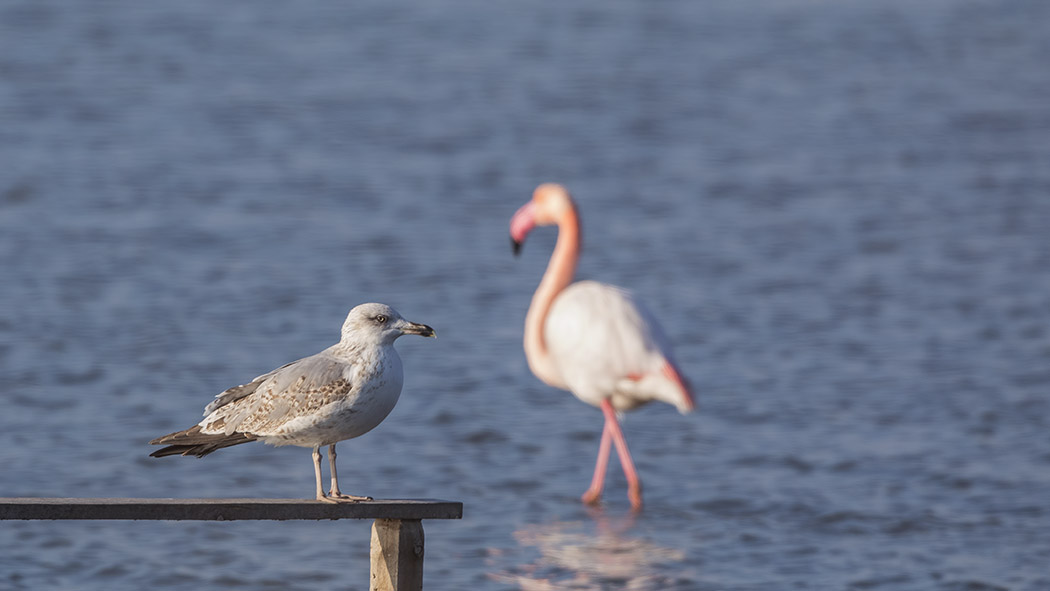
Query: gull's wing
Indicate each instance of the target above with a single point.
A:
(237, 392)
(264, 405)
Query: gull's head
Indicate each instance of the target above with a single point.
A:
(381, 324)
(550, 203)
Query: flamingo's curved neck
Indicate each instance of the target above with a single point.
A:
(558, 276)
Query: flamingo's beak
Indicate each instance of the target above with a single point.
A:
(521, 224)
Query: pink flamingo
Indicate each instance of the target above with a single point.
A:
(593, 339)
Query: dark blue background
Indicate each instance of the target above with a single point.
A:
(838, 209)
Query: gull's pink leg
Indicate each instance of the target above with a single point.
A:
(334, 493)
(634, 485)
(317, 475)
(594, 493)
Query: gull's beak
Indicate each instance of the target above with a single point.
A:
(420, 329)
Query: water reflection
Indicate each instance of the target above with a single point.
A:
(601, 554)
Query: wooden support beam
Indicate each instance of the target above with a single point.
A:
(397, 555)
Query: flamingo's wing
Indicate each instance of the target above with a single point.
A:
(607, 344)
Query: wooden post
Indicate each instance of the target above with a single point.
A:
(397, 555)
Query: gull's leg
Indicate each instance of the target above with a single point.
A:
(317, 475)
(335, 477)
(634, 485)
(334, 493)
(594, 493)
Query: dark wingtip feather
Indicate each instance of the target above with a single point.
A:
(171, 450)
(191, 442)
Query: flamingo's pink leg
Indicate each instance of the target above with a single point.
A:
(634, 485)
(594, 493)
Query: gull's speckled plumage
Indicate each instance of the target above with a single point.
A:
(340, 393)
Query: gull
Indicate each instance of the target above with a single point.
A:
(340, 393)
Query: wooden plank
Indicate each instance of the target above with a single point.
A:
(224, 509)
(397, 555)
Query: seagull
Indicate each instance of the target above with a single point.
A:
(340, 393)
(593, 339)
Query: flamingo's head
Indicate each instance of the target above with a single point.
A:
(550, 203)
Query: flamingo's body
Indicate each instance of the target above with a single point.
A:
(593, 339)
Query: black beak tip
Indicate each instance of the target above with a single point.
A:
(515, 247)
(418, 329)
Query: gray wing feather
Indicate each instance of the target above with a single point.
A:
(237, 392)
(281, 395)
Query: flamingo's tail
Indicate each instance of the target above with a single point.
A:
(684, 401)
(666, 385)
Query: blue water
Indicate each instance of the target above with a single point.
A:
(839, 210)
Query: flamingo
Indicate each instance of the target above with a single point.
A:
(593, 339)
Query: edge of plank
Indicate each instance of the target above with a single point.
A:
(222, 509)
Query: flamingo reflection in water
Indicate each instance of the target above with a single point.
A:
(573, 556)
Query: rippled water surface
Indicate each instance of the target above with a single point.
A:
(840, 211)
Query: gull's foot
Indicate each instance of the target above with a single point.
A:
(591, 497)
(338, 497)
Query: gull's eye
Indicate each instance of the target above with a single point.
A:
(381, 319)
